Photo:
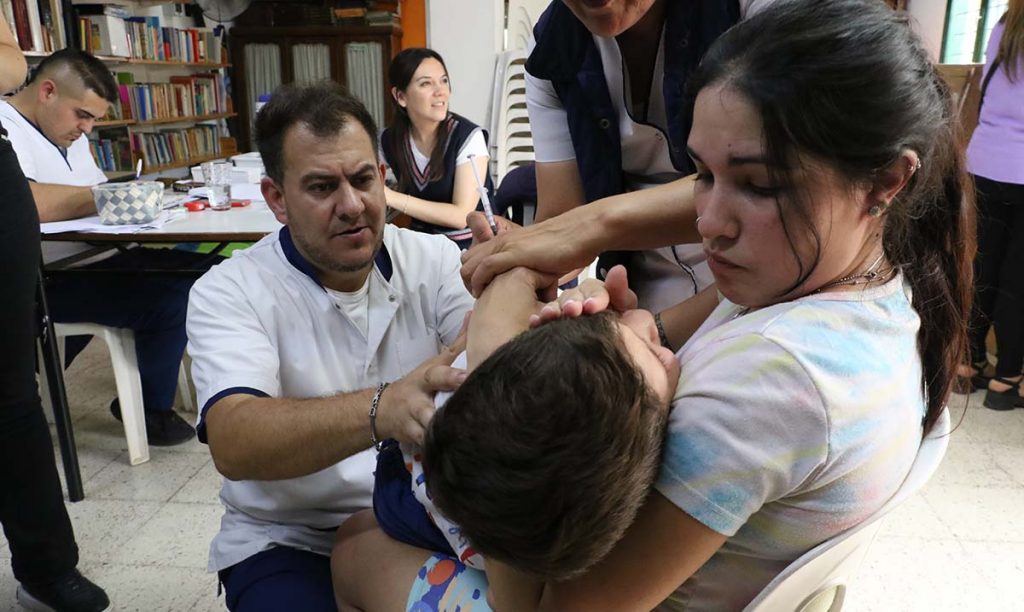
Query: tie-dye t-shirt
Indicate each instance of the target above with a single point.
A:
(793, 423)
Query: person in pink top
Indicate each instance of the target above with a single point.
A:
(995, 157)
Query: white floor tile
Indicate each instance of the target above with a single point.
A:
(203, 488)
(150, 588)
(918, 575)
(8, 585)
(1010, 459)
(157, 480)
(972, 464)
(990, 426)
(992, 514)
(1002, 566)
(162, 540)
(915, 518)
(102, 526)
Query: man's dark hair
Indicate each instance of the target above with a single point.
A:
(324, 107)
(546, 452)
(93, 72)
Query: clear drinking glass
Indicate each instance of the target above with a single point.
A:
(216, 175)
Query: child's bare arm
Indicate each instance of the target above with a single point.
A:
(503, 312)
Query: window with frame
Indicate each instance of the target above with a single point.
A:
(968, 26)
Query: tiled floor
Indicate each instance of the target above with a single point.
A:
(144, 531)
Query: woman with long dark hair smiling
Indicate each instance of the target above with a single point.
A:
(432, 151)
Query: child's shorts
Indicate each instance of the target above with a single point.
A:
(445, 585)
(395, 506)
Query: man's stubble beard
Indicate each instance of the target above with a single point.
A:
(324, 259)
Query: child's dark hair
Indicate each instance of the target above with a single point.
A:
(847, 82)
(546, 452)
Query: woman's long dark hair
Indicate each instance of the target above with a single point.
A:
(847, 82)
(1011, 45)
(400, 73)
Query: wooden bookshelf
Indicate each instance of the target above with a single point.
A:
(164, 121)
(185, 163)
(143, 62)
(114, 123)
(185, 119)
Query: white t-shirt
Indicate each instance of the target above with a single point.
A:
(355, 305)
(795, 422)
(44, 162)
(474, 145)
(258, 324)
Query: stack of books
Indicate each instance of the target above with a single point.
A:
(38, 25)
(112, 150)
(111, 33)
(177, 146)
(196, 95)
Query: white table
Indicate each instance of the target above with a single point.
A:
(246, 224)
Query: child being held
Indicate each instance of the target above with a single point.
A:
(542, 458)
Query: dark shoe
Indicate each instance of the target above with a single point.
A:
(980, 372)
(163, 428)
(72, 593)
(985, 372)
(1004, 400)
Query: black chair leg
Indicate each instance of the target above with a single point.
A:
(59, 398)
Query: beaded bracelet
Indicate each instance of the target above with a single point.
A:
(662, 336)
(374, 404)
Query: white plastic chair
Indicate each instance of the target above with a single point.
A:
(818, 580)
(121, 344)
(522, 15)
(511, 137)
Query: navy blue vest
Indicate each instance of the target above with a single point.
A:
(442, 189)
(567, 56)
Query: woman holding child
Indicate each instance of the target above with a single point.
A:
(830, 200)
(431, 151)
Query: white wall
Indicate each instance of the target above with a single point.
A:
(468, 35)
(929, 19)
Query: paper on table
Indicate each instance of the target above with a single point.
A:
(94, 225)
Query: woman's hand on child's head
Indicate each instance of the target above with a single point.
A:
(590, 297)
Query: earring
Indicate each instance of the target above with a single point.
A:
(877, 210)
(697, 223)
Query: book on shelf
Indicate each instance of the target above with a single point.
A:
(37, 25)
(144, 38)
(112, 150)
(177, 146)
(382, 18)
(184, 97)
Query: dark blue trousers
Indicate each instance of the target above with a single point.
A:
(280, 579)
(152, 305)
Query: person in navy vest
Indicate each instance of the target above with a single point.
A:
(432, 151)
(604, 89)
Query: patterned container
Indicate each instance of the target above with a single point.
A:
(128, 203)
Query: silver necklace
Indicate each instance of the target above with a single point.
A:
(862, 278)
